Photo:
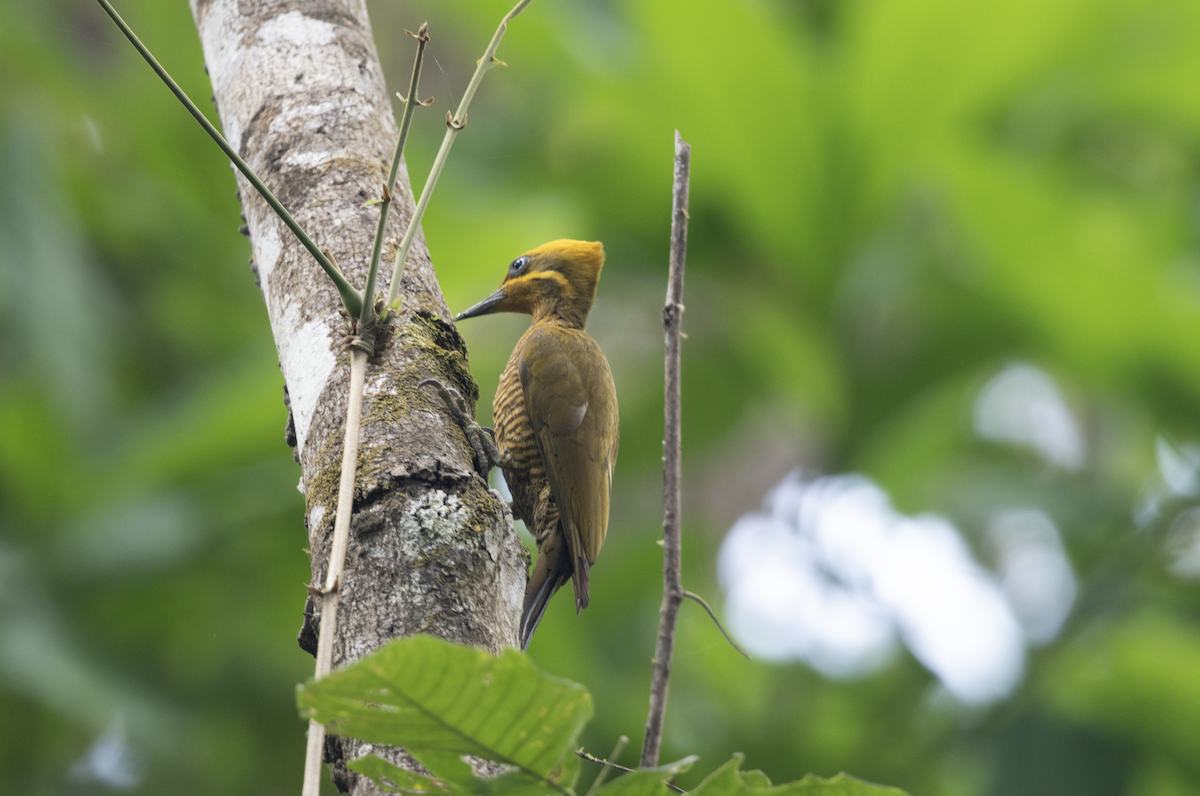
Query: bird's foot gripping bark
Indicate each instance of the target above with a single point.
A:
(487, 455)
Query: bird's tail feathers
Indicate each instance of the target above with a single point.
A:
(536, 601)
(583, 572)
(552, 569)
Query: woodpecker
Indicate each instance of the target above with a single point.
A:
(556, 418)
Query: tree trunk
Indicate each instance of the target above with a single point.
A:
(301, 95)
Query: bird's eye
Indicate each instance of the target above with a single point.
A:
(518, 265)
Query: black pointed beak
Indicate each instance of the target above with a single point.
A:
(485, 307)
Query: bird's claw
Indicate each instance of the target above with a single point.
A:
(487, 455)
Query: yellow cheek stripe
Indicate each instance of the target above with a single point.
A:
(527, 280)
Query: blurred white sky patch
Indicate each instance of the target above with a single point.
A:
(1021, 405)
(109, 761)
(1179, 467)
(1183, 544)
(784, 603)
(1178, 477)
(831, 574)
(1034, 571)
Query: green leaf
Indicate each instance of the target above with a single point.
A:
(441, 701)
(392, 778)
(399, 780)
(754, 779)
(729, 781)
(647, 781)
(566, 773)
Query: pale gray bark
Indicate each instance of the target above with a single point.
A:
(301, 95)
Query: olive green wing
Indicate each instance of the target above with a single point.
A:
(572, 407)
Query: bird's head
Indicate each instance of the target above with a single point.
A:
(555, 280)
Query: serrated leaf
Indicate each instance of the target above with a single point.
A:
(729, 781)
(647, 781)
(441, 701)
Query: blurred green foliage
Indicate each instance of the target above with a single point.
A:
(890, 201)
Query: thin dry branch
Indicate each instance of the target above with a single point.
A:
(603, 775)
(410, 104)
(455, 122)
(337, 561)
(672, 503)
(607, 764)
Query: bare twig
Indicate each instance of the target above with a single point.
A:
(359, 352)
(337, 560)
(600, 761)
(672, 504)
(350, 297)
(607, 764)
(410, 105)
(454, 123)
(603, 775)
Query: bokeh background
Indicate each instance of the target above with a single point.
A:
(941, 386)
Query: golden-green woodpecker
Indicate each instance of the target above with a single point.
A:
(556, 418)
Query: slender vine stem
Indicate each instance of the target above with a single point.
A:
(693, 596)
(337, 560)
(603, 775)
(350, 297)
(410, 105)
(454, 124)
(608, 764)
(673, 592)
